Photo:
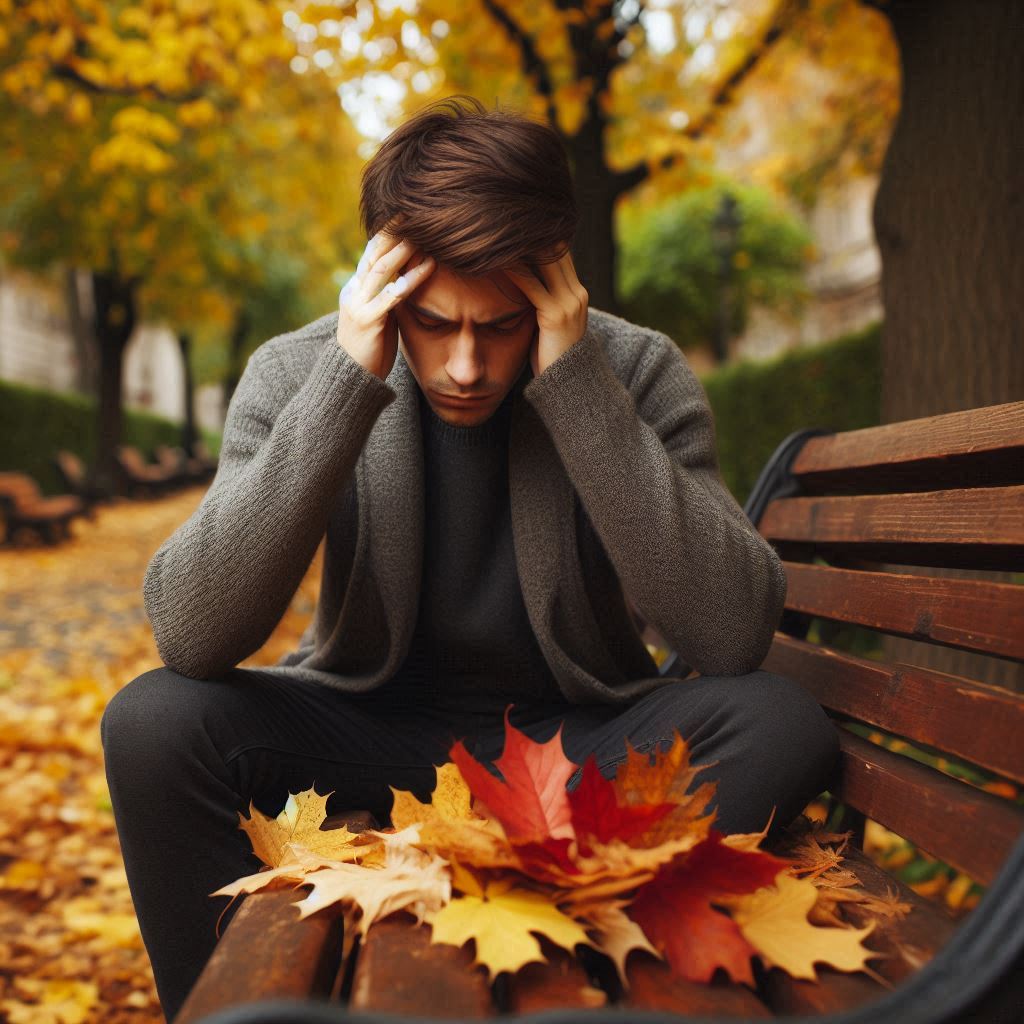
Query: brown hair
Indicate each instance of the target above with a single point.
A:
(478, 190)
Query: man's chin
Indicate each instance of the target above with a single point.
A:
(468, 417)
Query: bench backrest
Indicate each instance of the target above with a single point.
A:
(19, 488)
(131, 457)
(854, 515)
(71, 465)
(168, 457)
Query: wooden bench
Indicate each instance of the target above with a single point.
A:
(144, 479)
(75, 476)
(177, 460)
(945, 492)
(24, 507)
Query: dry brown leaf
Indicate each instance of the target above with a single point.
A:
(409, 879)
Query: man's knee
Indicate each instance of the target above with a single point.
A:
(788, 712)
(151, 711)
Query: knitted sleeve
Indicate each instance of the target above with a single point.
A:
(642, 459)
(217, 587)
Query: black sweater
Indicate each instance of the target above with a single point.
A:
(473, 648)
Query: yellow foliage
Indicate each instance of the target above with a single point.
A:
(197, 114)
(54, 1001)
(129, 153)
(140, 121)
(60, 44)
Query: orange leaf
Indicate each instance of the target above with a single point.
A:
(640, 783)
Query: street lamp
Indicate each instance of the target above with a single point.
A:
(724, 233)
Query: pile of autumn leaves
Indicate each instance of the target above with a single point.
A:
(623, 864)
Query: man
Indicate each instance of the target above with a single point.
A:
(478, 553)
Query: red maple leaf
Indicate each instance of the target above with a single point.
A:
(674, 908)
(538, 858)
(532, 802)
(596, 810)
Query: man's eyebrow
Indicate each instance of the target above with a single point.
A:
(423, 311)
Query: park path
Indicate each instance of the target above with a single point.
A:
(73, 630)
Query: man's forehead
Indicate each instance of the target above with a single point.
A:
(448, 311)
(446, 296)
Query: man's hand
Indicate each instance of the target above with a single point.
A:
(367, 328)
(561, 303)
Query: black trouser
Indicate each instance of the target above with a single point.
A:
(184, 756)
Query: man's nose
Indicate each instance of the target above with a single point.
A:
(465, 358)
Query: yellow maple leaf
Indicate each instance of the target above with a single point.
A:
(774, 921)
(450, 800)
(501, 921)
(298, 822)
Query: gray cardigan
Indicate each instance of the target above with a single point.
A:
(614, 485)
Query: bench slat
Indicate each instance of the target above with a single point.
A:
(399, 970)
(560, 983)
(976, 721)
(975, 615)
(268, 952)
(973, 447)
(911, 941)
(833, 992)
(652, 986)
(981, 528)
(966, 827)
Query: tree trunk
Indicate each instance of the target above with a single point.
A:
(594, 249)
(115, 321)
(188, 429)
(949, 218)
(80, 316)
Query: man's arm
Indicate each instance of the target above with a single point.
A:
(647, 473)
(218, 586)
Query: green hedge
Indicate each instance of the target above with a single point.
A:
(35, 423)
(758, 403)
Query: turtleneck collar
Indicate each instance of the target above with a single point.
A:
(492, 431)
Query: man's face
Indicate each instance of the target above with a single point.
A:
(465, 336)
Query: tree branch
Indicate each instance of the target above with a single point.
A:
(533, 66)
(779, 24)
